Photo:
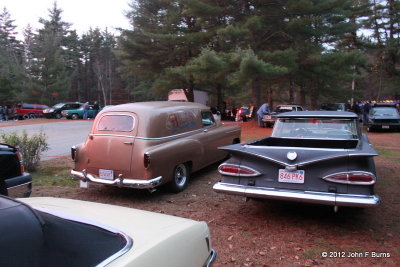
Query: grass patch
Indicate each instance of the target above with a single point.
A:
(53, 173)
(389, 155)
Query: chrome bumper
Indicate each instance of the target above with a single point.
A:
(20, 186)
(123, 182)
(300, 196)
(211, 258)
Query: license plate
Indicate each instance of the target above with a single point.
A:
(385, 126)
(295, 177)
(267, 117)
(106, 174)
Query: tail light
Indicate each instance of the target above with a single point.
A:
(237, 170)
(356, 178)
(146, 160)
(21, 162)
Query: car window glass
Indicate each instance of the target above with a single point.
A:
(58, 106)
(116, 123)
(207, 118)
(316, 128)
(27, 106)
(384, 111)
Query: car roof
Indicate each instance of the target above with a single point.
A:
(155, 106)
(318, 114)
(289, 105)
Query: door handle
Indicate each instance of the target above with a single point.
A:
(128, 143)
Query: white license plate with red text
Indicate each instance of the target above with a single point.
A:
(106, 174)
(295, 177)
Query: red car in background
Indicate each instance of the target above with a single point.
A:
(28, 111)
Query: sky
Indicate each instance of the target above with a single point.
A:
(82, 14)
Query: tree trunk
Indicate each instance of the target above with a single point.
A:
(303, 96)
(291, 92)
(256, 93)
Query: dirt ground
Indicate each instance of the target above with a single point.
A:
(273, 233)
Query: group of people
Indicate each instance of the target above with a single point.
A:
(6, 113)
(95, 108)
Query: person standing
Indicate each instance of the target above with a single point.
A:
(95, 109)
(1, 113)
(263, 110)
(366, 108)
(85, 110)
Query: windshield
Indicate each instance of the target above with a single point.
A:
(333, 106)
(384, 111)
(316, 128)
(58, 105)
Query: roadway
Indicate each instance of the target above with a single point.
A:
(61, 134)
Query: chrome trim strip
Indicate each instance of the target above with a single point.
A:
(21, 190)
(304, 163)
(19, 185)
(211, 258)
(125, 182)
(301, 196)
(151, 138)
(302, 148)
(78, 219)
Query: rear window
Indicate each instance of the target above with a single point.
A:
(384, 111)
(116, 123)
(322, 128)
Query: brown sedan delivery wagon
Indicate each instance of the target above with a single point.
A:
(146, 144)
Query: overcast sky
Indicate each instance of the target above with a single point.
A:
(82, 14)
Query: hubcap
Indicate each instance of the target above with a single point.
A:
(180, 175)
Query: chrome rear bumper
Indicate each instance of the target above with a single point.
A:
(123, 182)
(300, 196)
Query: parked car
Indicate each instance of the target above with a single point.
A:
(14, 181)
(335, 106)
(76, 114)
(146, 144)
(65, 232)
(244, 113)
(312, 156)
(269, 120)
(55, 111)
(28, 111)
(383, 116)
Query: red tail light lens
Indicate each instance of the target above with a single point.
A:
(237, 170)
(146, 160)
(357, 178)
(21, 162)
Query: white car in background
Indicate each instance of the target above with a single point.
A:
(66, 232)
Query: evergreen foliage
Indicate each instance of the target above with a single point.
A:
(240, 52)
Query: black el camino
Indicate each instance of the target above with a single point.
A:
(318, 157)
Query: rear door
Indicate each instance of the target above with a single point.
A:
(111, 143)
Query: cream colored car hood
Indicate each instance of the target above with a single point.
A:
(152, 233)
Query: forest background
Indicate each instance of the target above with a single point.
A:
(239, 51)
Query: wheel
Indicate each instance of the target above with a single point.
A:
(74, 116)
(180, 178)
(25, 117)
(58, 115)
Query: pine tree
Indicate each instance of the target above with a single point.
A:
(12, 75)
(51, 65)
